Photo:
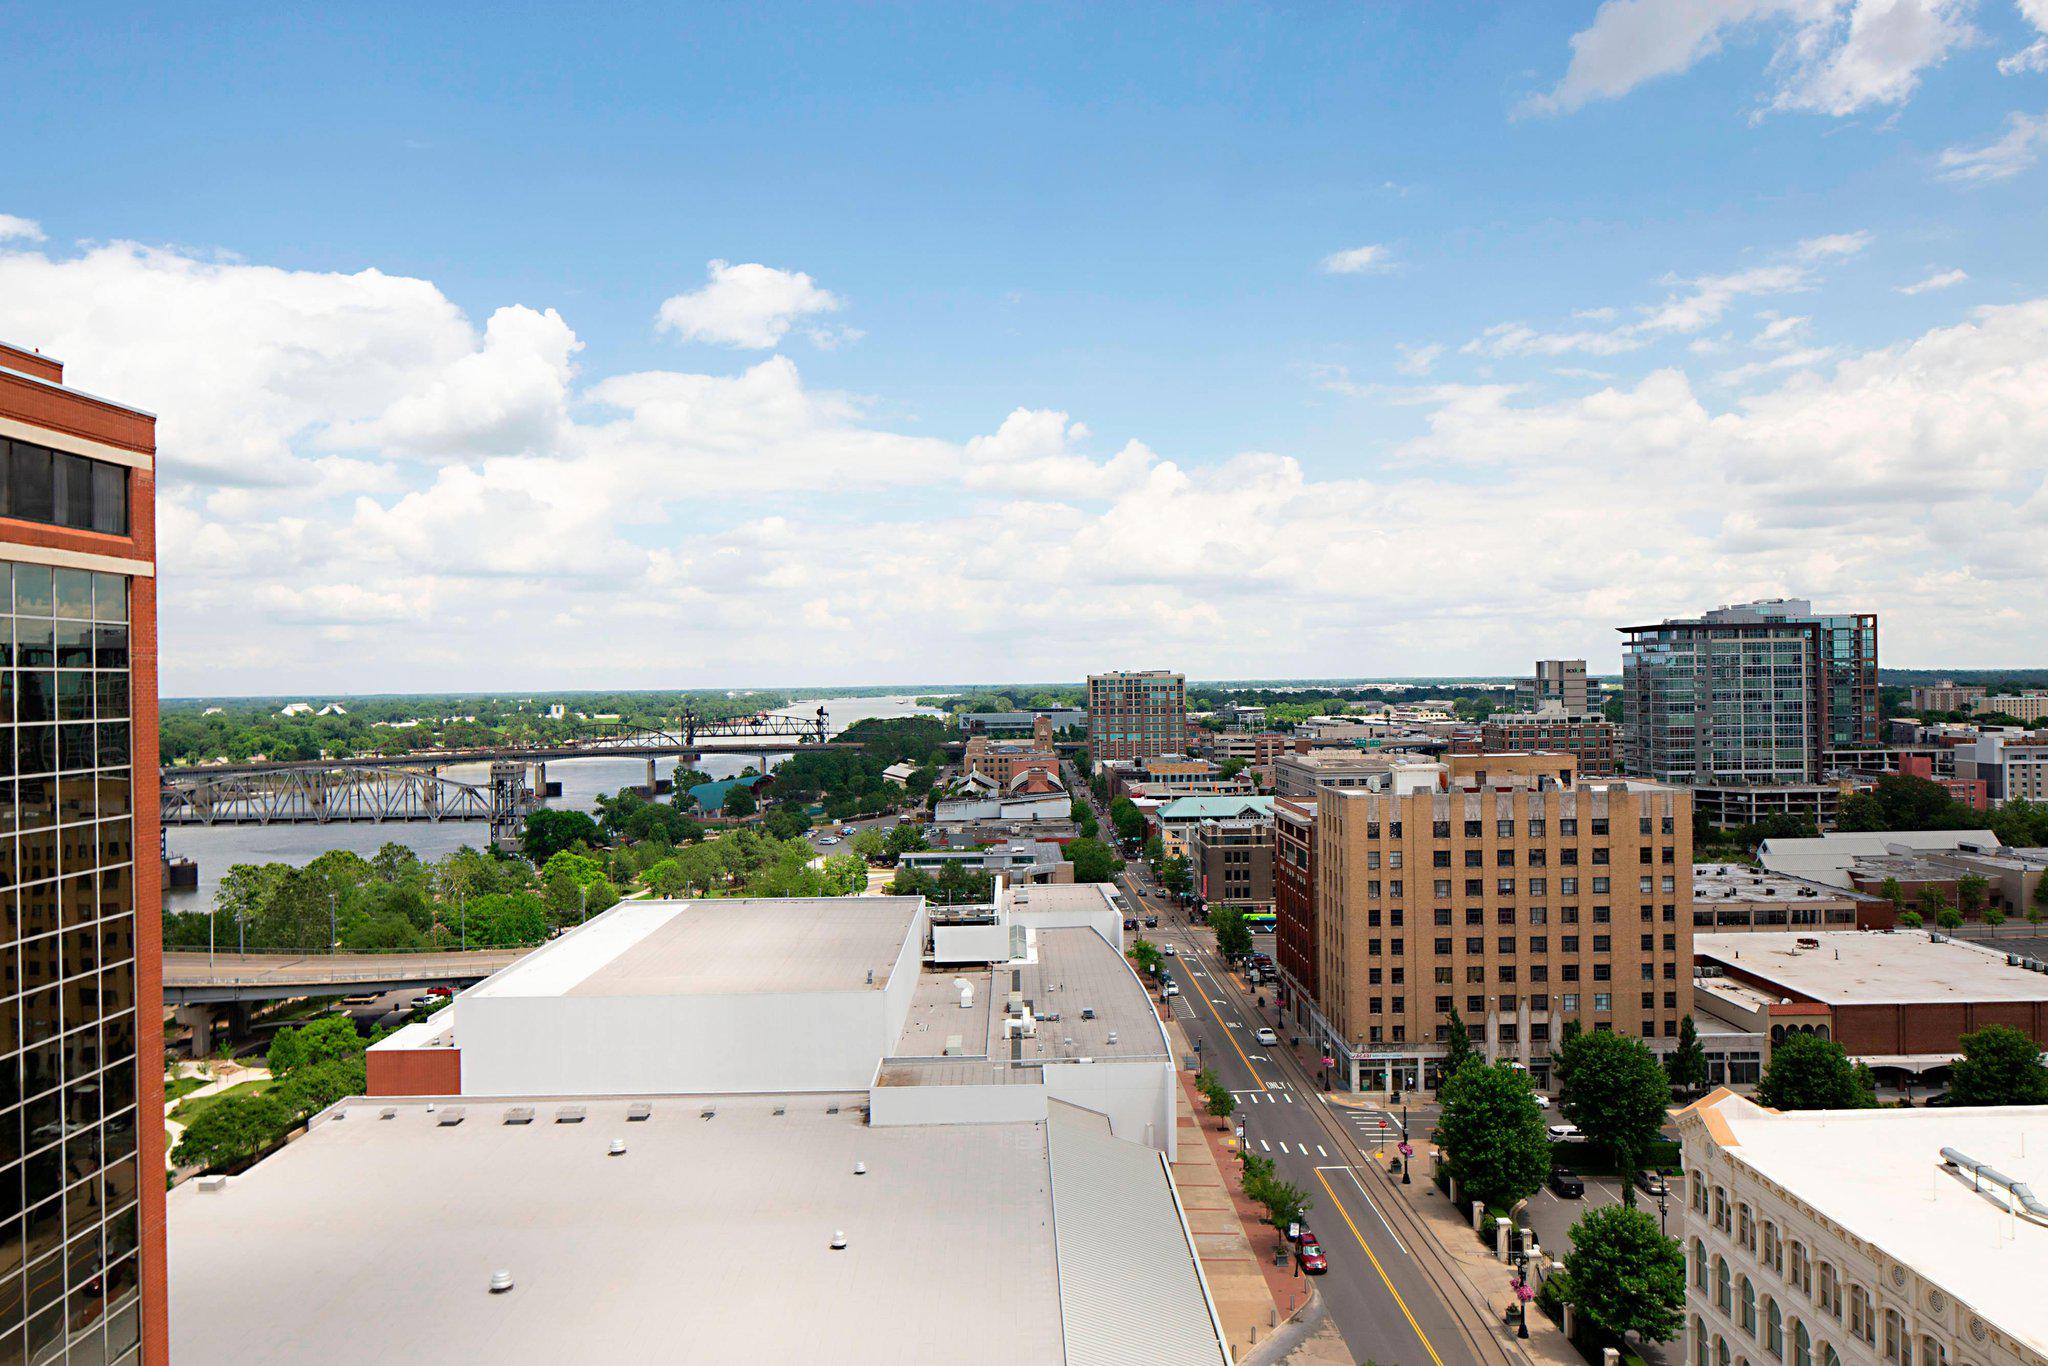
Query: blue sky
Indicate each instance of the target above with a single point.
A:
(1124, 214)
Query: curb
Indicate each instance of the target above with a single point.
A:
(1291, 1333)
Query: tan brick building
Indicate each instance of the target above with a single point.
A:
(1503, 887)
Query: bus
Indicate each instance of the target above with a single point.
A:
(1259, 922)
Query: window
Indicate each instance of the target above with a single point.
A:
(1722, 1298)
(38, 484)
(1830, 1291)
(1699, 1264)
(1802, 1345)
(1802, 1269)
(1745, 1227)
(1774, 1251)
(1721, 1209)
(1862, 1323)
(1745, 1307)
(1720, 1351)
(1699, 1339)
(1897, 1346)
(1774, 1328)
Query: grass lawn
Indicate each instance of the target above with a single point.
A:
(177, 1087)
(187, 1111)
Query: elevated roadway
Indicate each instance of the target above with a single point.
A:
(201, 978)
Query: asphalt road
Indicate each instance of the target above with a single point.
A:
(1378, 1297)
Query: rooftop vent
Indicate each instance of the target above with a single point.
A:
(388, 1112)
(832, 1109)
(838, 1240)
(570, 1114)
(618, 1148)
(501, 1281)
(451, 1116)
(782, 1109)
(519, 1114)
(707, 1113)
(213, 1184)
(860, 1169)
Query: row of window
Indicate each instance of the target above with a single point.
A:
(57, 488)
(1646, 885)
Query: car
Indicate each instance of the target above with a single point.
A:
(1652, 1183)
(829, 839)
(440, 991)
(1151, 922)
(1565, 1183)
(1542, 1101)
(369, 1000)
(1172, 988)
(1266, 1036)
(846, 830)
(1313, 1262)
(1168, 950)
(1130, 922)
(422, 1001)
(1565, 1133)
(1302, 1233)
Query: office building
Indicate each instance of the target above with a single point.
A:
(1294, 904)
(1017, 724)
(1559, 682)
(1504, 888)
(2030, 707)
(1734, 898)
(1592, 740)
(82, 1214)
(1301, 774)
(1893, 1237)
(1231, 861)
(2012, 765)
(1003, 760)
(1945, 696)
(1747, 696)
(1174, 821)
(1135, 715)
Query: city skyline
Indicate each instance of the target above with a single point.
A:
(720, 349)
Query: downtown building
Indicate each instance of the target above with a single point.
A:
(1744, 704)
(1592, 740)
(82, 1265)
(1506, 889)
(1137, 714)
(1556, 682)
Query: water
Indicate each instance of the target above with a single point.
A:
(219, 847)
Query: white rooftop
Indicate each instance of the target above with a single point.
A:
(1879, 1175)
(719, 947)
(1827, 857)
(1867, 967)
(375, 1239)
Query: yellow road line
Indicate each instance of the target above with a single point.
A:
(1384, 1278)
(1227, 1034)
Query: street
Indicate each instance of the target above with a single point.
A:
(1375, 1292)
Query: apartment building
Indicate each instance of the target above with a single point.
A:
(82, 1268)
(1003, 760)
(1747, 696)
(1592, 740)
(1294, 905)
(1507, 889)
(1946, 696)
(1561, 682)
(1300, 774)
(2026, 706)
(1231, 862)
(1137, 714)
(1900, 1237)
(2012, 765)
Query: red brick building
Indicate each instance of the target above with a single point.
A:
(1294, 902)
(82, 1260)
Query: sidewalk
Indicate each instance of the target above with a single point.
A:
(1253, 1297)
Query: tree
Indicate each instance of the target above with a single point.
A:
(907, 837)
(1126, 818)
(1807, 1072)
(1910, 919)
(1155, 851)
(231, 1129)
(1492, 1133)
(332, 1036)
(1221, 1104)
(1891, 891)
(1458, 1049)
(846, 875)
(315, 1086)
(1146, 955)
(1174, 875)
(1949, 918)
(871, 845)
(1093, 860)
(1229, 769)
(1686, 1065)
(1233, 936)
(787, 822)
(2000, 1066)
(1973, 893)
(1286, 1204)
(739, 801)
(1617, 1095)
(1626, 1277)
(550, 832)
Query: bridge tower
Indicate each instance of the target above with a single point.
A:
(510, 798)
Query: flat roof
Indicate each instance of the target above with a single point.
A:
(1872, 967)
(720, 947)
(1879, 1175)
(1716, 882)
(711, 1232)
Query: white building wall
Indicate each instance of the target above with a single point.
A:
(1136, 1097)
(994, 1104)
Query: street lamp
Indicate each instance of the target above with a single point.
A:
(1523, 1294)
(1407, 1150)
(1662, 1190)
(333, 939)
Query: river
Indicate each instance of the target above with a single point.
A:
(219, 847)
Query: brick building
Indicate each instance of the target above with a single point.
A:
(82, 1266)
(1294, 903)
(1003, 760)
(1231, 862)
(1592, 740)
(1137, 714)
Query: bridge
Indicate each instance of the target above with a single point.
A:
(204, 978)
(409, 787)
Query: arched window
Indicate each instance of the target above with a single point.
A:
(1745, 1227)
(1802, 1345)
(1932, 1353)
(1746, 1307)
(1829, 1356)
(1699, 1265)
(1721, 1299)
(1830, 1290)
(1774, 1252)
(1774, 1328)
(1699, 1341)
(1720, 1352)
(1897, 1346)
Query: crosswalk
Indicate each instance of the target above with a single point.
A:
(1373, 1126)
(1266, 1097)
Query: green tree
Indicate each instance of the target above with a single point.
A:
(315, 1086)
(1910, 919)
(1233, 936)
(1617, 1095)
(1155, 851)
(230, 1130)
(1807, 1072)
(396, 863)
(872, 845)
(324, 1039)
(1458, 1049)
(1973, 893)
(1174, 874)
(1626, 1277)
(1949, 918)
(739, 801)
(787, 822)
(1093, 860)
(1284, 1202)
(1492, 1133)
(505, 920)
(907, 837)
(1221, 1104)
(1146, 955)
(1128, 821)
(548, 833)
(1891, 891)
(1229, 769)
(1686, 1065)
(845, 875)
(2000, 1066)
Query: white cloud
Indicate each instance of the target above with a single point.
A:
(1804, 358)
(1372, 259)
(2033, 57)
(1940, 279)
(1418, 360)
(1519, 339)
(2001, 158)
(13, 229)
(750, 306)
(1830, 56)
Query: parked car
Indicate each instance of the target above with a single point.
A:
(440, 991)
(1266, 1037)
(1151, 922)
(1565, 1133)
(829, 839)
(1542, 1101)
(1172, 988)
(1304, 1234)
(1130, 922)
(422, 1001)
(1565, 1183)
(1167, 949)
(1651, 1183)
(1313, 1262)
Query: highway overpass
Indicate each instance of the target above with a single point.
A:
(201, 978)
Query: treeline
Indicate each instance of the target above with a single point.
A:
(849, 782)
(246, 727)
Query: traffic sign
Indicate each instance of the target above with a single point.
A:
(1407, 1151)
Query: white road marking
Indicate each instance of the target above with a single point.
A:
(1320, 1152)
(1288, 1099)
(1263, 1147)
(1283, 1145)
(1376, 1211)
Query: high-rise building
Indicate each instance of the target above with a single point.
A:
(1589, 739)
(1562, 681)
(1503, 888)
(1137, 714)
(82, 1266)
(1294, 903)
(1749, 695)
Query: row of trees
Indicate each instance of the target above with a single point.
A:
(1999, 1066)
(1283, 1202)
(311, 1067)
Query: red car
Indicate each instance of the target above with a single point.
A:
(1312, 1260)
(440, 991)
(1303, 1234)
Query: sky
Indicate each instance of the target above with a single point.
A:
(504, 347)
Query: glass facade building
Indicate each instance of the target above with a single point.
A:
(81, 1168)
(1137, 715)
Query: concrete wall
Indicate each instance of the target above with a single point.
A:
(970, 943)
(1137, 1097)
(994, 1104)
